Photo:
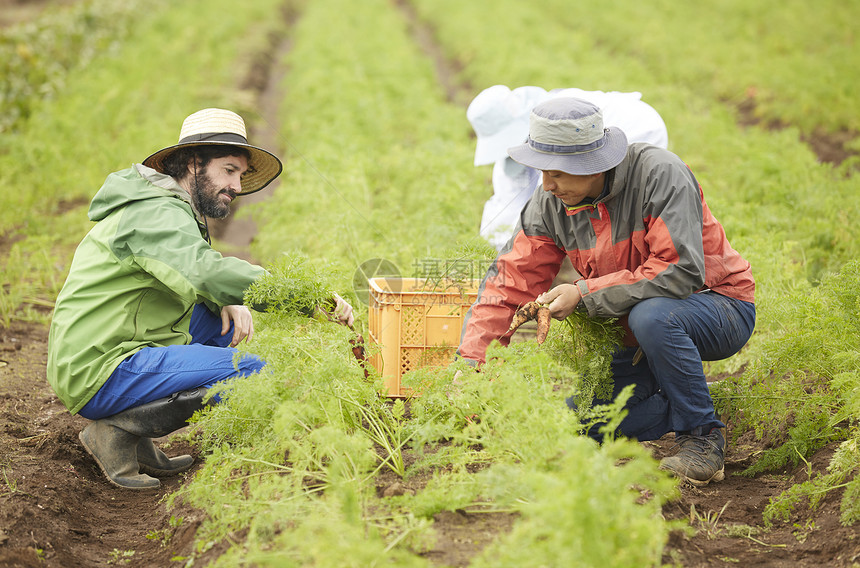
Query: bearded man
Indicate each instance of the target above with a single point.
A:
(150, 315)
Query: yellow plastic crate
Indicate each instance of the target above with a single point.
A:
(415, 323)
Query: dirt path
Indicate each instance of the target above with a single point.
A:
(56, 509)
(235, 233)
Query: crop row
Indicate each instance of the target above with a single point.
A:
(37, 56)
(379, 166)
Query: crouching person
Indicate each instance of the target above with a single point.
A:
(634, 223)
(150, 315)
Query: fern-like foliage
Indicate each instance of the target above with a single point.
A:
(293, 285)
(842, 473)
(584, 345)
(804, 391)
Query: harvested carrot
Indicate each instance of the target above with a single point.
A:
(543, 319)
(359, 353)
(527, 312)
(356, 343)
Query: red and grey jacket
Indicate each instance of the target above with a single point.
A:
(652, 235)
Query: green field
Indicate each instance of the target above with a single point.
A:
(759, 99)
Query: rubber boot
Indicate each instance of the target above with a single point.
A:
(154, 462)
(115, 451)
(114, 442)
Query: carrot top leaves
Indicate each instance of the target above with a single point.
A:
(292, 286)
(584, 345)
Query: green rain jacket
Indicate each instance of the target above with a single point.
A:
(134, 281)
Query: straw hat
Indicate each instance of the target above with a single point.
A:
(567, 134)
(215, 126)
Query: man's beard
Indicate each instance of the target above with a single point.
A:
(207, 198)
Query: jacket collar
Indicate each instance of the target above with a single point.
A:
(169, 183)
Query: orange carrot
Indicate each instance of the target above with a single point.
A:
(543, 319)
(527, 312)
(359, 353)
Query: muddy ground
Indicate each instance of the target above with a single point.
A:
(57, 510)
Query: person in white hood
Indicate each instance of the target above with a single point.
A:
(500, 119)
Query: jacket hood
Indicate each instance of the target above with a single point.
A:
(136, 183)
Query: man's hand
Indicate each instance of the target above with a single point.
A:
(561, 300)
(243, 323)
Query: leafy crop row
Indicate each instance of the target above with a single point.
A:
(36, 56)
(792, 61)
(379, 165)
(294, 453)
(805, 392)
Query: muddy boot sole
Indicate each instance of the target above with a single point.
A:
(719, 475)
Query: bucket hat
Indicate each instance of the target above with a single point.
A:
(500, 118)
(567, 134)
(215, 126)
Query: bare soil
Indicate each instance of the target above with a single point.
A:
(830, 147)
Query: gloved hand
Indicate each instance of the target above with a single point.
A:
(343, 312)
(340, 313)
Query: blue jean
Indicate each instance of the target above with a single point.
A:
(671, 393)
(158, 372)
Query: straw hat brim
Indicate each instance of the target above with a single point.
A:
(596, 161)
(263, 166)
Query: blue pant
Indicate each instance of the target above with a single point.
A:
(671, 392)
(158, 372)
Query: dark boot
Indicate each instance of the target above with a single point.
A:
(161, 417)
(115, 451)
(115, 441)
(154, 462)
(701, 459)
